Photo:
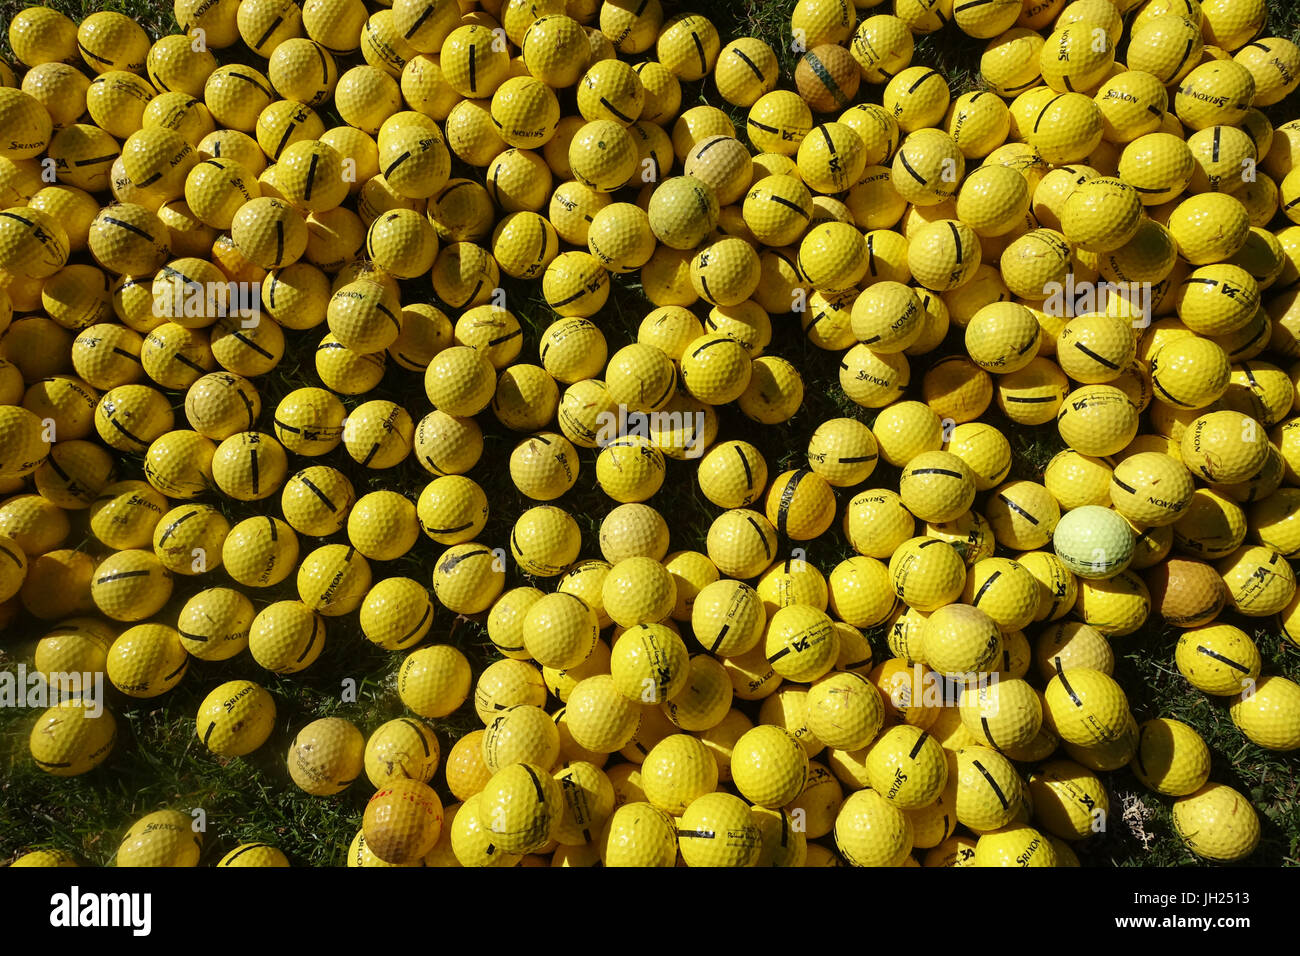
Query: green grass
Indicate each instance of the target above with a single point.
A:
(159, 762)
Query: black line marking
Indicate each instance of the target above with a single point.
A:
(1017, 509)
(96, 159)
(721, 635)
(253, 81)
(180, 670)
(129, 227)
(1187, 52)
(1060, 672)
(1155, 383)
(419, 21)
(311, 486)
(311, 642)
(94, 56)
(1202, 649)
(938, 471)
(744, 58)
(424, 741)
(1099, 359)
(975, 601)
(920, 742)
(537, 784)
(123, 574)
(236, 854)
(171, 528)
(256, 348)
(311, 175)
(921, 79)
(284, 139)
(1046, 107)
(762, 535)
(275, 25)
(462, 527)
(744, 463)
(621, 115)
(992, 783)
(787, 498)
(902, 158)
(781, 200)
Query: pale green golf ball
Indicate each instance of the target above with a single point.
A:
(1094, 542)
